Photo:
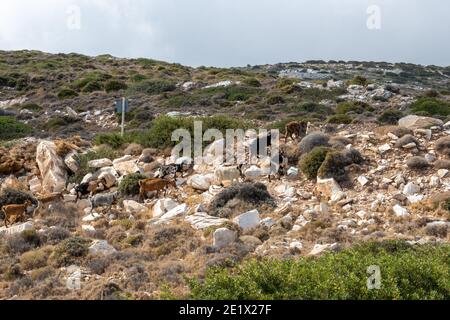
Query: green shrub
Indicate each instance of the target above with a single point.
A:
(333, 166)
(69, 251)
(252, 82)
(359, 80)
(13, 196)
(10, 128)
(58, 122)
(311, 162)
(390, 116)
(92, 86)
(340, 119)
(31, 107)
(129, 185)
(115, 85)
(114, 139)
(431, 107)
(275, 100)
(153, 87)
(67, 93)
(34, 259)
(407, 273)
(346, 107)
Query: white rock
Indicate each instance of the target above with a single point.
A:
(322, 208)
(384, 148)
(400, 211)
(319, 248)
(178, 211)
(296, 245)
(284, 190)
(430, 157)
(442, 173)
(361, 214)
(51, 166)
(363, 180)
(35, 185)
(417, 122)
(91, 217)
(223, 237)
(411, 189)
(108, 179)
(268, 222)
(126, 167)
(248, 220)
(162, 206)
(292, 172)
(19, 228)
(88, 229)
(415, 198)
(201, 220)
(99, 163)
(101, 247)
(132, 206)
(329, 188)
(435, 181)
(201, 182)
(253, 172)
(123, 159)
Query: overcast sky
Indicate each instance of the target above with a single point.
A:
(233, 32)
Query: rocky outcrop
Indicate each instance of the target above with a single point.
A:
(51, 166)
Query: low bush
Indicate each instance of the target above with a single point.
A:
(359, 80)
(406, 139)
(275, 99)
(115, 85)
(13, 196)
(311, 162)
(354, 107)
(340, 119)
(129, 185)
(333, 166)
(66, 93)
(431, 107)
(11, 129)
(152, 87)
(390, 116)
(69, 251)
(408, 273)
(312, 140)
(417, 163)
(442, 146)
(252, 82)
(34, 259)
(254, 193)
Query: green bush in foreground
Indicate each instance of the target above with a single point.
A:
(311, 163)
(129, 185)
(10, 128)
(407, 272)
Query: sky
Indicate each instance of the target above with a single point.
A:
(226, 33)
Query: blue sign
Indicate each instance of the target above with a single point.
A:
(118, 105)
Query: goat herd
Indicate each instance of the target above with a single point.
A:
(165, 178)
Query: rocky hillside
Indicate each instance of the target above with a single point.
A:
(372, 168)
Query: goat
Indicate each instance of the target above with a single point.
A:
(232, 174)
(278, 165)
(82, 189)
(104, 200)
(95, 187)
(173, 169)
(155, 184)
(16, 211)
(297, 128)
(48, 198)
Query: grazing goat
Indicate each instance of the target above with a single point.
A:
(278, 166)
(155, 184)
(173, 169)
(82, 189)
(104, 200)
(95, 187)
(232, 174)
(297, 129)
(15, 212)
(48, 198)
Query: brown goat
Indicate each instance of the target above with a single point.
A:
(15, 212)
(48, 198)
(154, 184)
(297, 128)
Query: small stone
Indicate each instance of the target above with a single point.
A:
(435, 181)
(411, 189)
(100, 163)
(248, 220)
(384, 148)
(442, 173)
(101, 247)
(400, 211)
(363, 180)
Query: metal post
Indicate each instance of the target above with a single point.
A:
(123, 116)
